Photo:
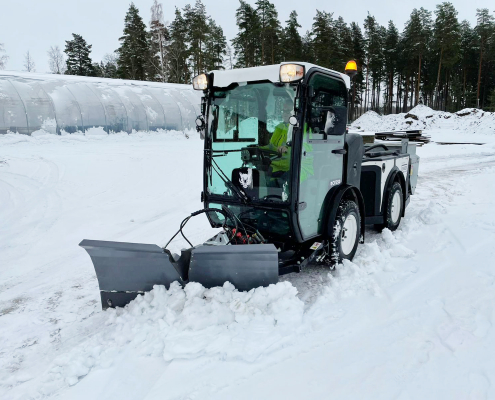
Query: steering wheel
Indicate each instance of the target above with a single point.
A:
(262, 158)
(257, 153)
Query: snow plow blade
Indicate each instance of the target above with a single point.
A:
(125, 270)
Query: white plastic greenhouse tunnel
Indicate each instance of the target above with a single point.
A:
(61, 104)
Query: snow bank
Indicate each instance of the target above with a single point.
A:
(194, 322)
(190, 322)
(470, 120)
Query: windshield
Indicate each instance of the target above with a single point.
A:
(250, 138)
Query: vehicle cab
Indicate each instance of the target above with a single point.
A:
(277, 134)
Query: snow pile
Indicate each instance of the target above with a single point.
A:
(470, 120)
(190, 322)
(194, 322)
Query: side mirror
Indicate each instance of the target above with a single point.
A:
(200, 126)
(200, 122)
(336, 120)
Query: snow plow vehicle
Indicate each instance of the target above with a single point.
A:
(285, 181)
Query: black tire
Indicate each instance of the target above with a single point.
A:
(339, 248)
(391, 222)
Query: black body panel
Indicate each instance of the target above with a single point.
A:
(371, 176)
(353, 159)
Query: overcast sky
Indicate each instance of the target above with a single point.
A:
(36, 25)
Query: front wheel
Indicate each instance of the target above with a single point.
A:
(346, 232)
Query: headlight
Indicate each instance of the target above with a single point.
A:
(200, 82)
(291, 72)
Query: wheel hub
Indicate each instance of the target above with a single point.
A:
(395, 209)
(348, 236)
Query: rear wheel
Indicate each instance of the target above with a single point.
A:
(346, 233)
(395, 204)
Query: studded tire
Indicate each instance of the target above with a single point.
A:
(394, 210)
(345, 233)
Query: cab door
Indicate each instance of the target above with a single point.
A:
(321, 161)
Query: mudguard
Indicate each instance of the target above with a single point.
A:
(125, 270)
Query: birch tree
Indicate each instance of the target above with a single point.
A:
(56, 60)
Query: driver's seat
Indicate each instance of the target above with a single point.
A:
(248, 180)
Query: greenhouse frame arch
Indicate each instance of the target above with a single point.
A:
(61, 104)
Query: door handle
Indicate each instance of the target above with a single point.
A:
(339, 151)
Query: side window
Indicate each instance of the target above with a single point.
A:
(327, 113)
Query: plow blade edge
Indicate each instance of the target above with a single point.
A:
(125, 270)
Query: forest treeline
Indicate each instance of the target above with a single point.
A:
(435, 59)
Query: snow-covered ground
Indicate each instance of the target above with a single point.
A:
(410, 318)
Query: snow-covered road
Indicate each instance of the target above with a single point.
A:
(411, 317)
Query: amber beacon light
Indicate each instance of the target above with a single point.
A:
(351, 68)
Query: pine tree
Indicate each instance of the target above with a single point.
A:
(391, 55)
(177, 68)
(345, 45)
(323, 34)
(98, 70)
(374, 37)
(246, 43)
(446, 40)
(358, 55)
(109, 69)
(78, 60)
(417, 36)
(269, 32)
(291, 41)
(467, 70)
(134, 50)
(215, 47)
(491, 101)
(485, 31)
(307, 47)
(196, 21)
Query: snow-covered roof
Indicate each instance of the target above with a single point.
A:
(30, 102)
(91, 79)
(223, 78)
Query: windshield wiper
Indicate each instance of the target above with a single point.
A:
(230, 185)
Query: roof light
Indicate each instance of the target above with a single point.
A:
(200, 82)
(351, 68)
(291, 72)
